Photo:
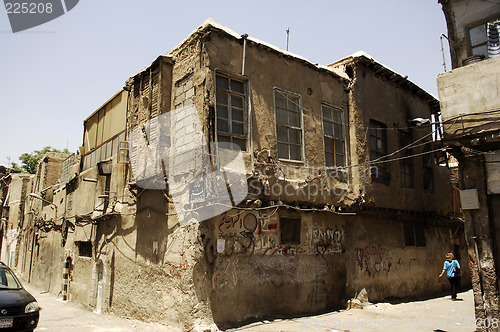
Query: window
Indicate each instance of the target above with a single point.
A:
(288, 125)
(230, 105)
(414, 234)
(8, 280)
(428, 164)
(84, 248)
(334, 135)
(378, 149)
(290, 230)
(104, 152)
(407, 171)
(478, 38)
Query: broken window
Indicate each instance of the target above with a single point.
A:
(414, 234)
(483, 39)
(230, 110)
(290, 230)
(428, 165)
(334, 135)
(380, 169)
(407, 170)
(288, 125)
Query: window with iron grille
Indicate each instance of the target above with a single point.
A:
(407, 169)
(428, 164)
(334, 135)
(288, 125)
(230, 110)
(378, 148)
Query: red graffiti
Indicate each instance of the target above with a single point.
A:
(228, 221)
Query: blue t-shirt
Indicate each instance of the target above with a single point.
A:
(450, 267)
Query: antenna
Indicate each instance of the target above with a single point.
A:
(287, 37)
(442, 49)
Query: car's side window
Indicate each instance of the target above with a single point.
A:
(11, 282)
(3, 278)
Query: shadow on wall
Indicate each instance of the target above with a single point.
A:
(149, 223)
(152, 228)
(246, 289)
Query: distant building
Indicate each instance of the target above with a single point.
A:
(14, 189)
(470, 105)
(231, 180)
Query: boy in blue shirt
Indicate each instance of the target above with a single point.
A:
(451, 268)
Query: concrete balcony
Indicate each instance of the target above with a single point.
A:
(470, 100)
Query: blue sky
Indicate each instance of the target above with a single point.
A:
(55, 75)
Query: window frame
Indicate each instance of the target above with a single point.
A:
(405, 139)
(470, 46)
(410, 233)
(384, 165)
(295, 224)
(85, 249)
(428, 165)
(332, 137)
(245, 119)
(300, 128)
(95, 156)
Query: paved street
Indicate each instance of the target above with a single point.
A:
(57, 315)
(439, 314)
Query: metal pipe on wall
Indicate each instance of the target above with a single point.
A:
(244, 36)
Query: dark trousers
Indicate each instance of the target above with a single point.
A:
(453, 283)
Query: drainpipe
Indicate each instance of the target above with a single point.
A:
(250, 138)
(245, 36)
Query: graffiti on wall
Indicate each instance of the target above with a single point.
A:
(373, 260)
(325, 240)
(376, 260)
(239, 233)
(225, 274)
(246, 233)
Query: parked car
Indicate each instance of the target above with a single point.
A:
(19, 310)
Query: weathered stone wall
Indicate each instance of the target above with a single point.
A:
(378, 260)
(49, 170)
(47, 264)
(480, 241)
(150, 266)
(17, 191)
(463, 92)
(256, 272)
(374, 97)
(265, 70)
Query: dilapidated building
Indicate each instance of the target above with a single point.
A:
(13, 190)
(231, 180)
(470, 103)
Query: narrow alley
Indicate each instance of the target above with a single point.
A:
(436, 314)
